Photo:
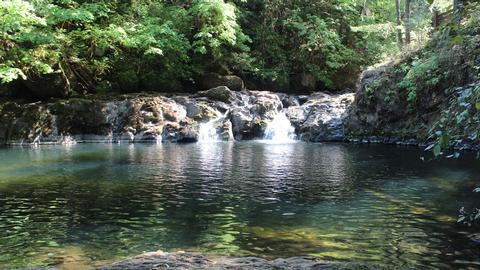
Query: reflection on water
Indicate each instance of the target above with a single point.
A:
(85, 205)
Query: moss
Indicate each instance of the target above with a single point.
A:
(409, 97)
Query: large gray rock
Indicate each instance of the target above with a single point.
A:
(220, 93)
(241, 120)
(322, 117)
(213, 80)
(179, 132)
(265, 104)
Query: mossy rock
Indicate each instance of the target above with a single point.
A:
(221, 93)
(213, 80)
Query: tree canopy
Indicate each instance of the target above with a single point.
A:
(165, 45)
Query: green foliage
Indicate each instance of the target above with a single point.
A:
(217, 34)
(216, 23)
(18, 24)
(423, 72)
(166, 43)
(472, 217)
(459, 122)
(293, 37)
(8, 74)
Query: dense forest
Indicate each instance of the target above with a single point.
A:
(61, 48)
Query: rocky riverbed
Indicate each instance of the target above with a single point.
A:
(161, 260)
(235, 115)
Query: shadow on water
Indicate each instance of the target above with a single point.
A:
(84, 205)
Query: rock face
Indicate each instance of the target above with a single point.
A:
(423, 94)
(144, 117)
(184, 261)
(321, 118)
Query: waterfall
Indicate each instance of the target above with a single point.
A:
(280, 130)
(207, 132)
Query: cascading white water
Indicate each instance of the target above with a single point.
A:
(207, 131)
(280, 130)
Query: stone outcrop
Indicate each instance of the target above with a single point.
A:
(428, 95)
(155, 117)
(321, 118)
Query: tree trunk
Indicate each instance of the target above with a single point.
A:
(365, 10)
(399, 25)
(407, 22)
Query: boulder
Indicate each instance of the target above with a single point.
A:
(27, 123)
(179, 132)
(220, 93)
(241, 120)
(322, 117)
(15, 89)
(152, 117)
(265, 104)
(213, 80)
(200, 111)
(288, 100)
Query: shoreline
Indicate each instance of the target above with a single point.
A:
(367, 140)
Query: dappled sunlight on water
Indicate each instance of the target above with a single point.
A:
(85, 205)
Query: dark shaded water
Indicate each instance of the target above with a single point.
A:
(84, 205)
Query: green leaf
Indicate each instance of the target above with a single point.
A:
(437, 150)
(458, 40)
(154, 51)
(8, 74)
(477, 106)
(444, 141)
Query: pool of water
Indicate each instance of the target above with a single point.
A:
(87, 204)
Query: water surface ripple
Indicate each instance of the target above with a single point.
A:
(85, 205)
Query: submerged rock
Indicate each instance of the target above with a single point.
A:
(180, 260)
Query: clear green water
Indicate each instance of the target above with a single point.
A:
(83, 205)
